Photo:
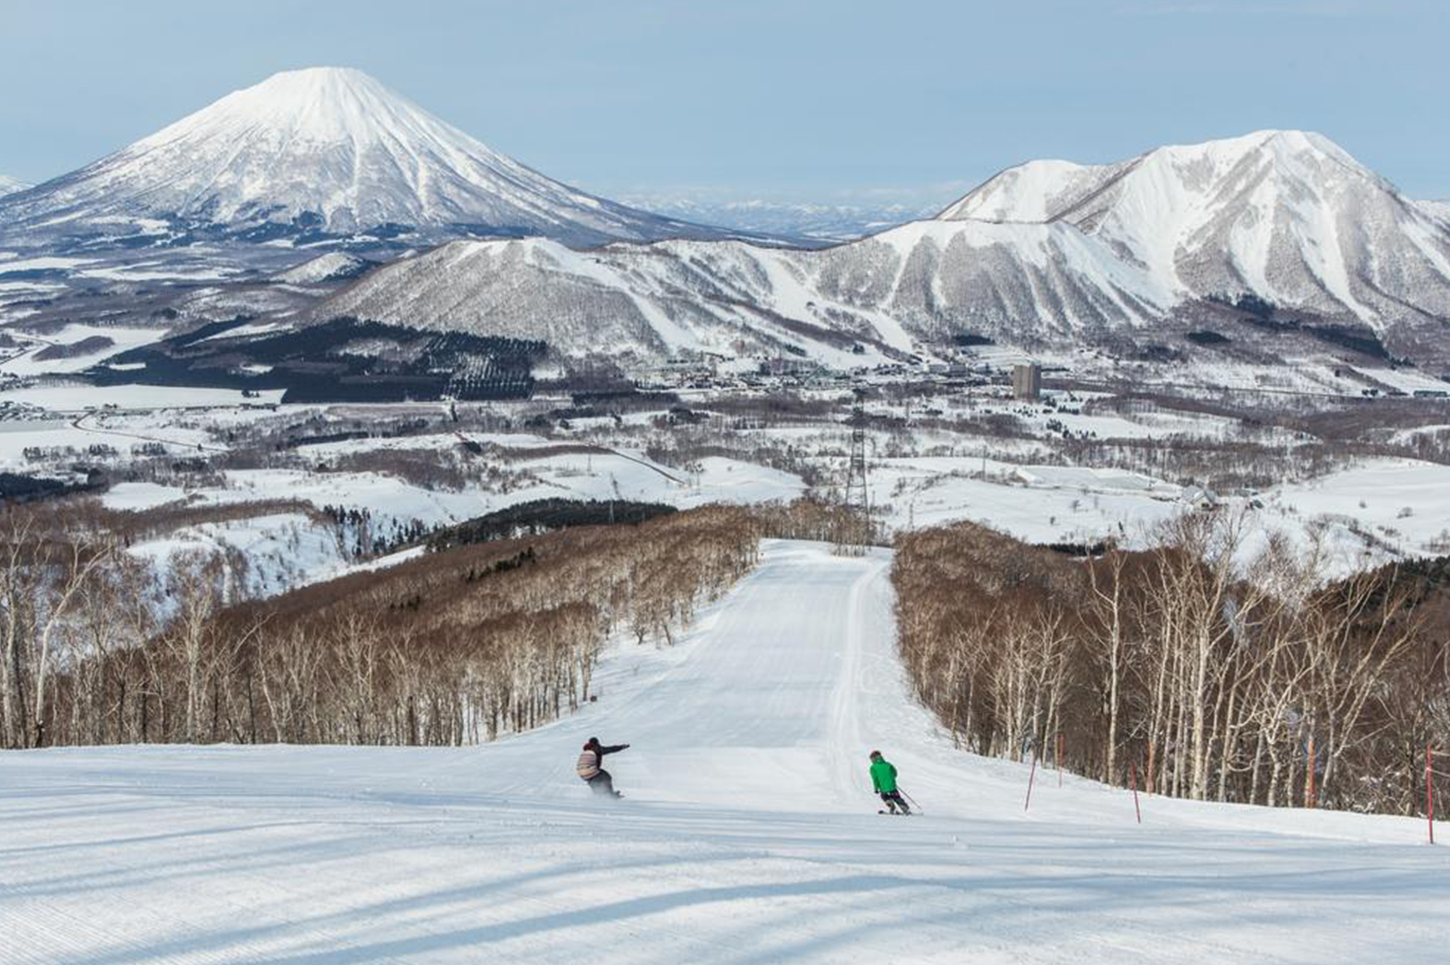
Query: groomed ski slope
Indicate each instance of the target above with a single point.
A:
(748, 836)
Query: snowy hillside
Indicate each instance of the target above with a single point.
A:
(748, 834)
(10, 185)
(923, 280)
(329, 267)
(1045, 252)
(323, 153)
(1286, 215)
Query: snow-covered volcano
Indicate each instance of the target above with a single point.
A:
(1288, 216)
(318, 153)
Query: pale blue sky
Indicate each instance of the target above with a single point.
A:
(801, 99)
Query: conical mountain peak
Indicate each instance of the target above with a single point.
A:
(330, 153)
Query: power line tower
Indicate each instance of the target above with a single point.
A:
(856, 529)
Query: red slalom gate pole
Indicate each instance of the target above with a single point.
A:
(1430, 789)
(1133, 783)
(1059, 760)
(1031, 774)
(1309, 792)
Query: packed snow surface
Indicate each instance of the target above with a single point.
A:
(749, 834)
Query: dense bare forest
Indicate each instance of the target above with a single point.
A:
(1210, 668)
(451, 647)
(1218, 666)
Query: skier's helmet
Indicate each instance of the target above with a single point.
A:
(875, 755)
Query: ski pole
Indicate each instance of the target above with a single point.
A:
(911, 800)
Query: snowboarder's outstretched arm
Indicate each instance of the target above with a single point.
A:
(611, 749)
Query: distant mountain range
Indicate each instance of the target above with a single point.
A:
(317, 156)
(824, 223)
(921, 282)
(1273, 237)
(1287, 216)
(1275, 231)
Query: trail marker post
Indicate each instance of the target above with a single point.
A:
(1030, 776)
(1059, 759)
(1133, 783)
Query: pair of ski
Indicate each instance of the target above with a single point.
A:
(904, 814)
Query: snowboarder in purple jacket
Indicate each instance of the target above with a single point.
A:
(588, 768)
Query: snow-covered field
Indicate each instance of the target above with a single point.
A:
(122, 339)
(1040, 504)
(60, 433)
(1370, 511)
(748, 834)
(939, 470)
(1402, 499)
(79, 398)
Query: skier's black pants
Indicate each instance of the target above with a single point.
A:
(602, 783)
(893, 800)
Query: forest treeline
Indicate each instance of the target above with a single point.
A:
(451, 647)
(1217, 666)
(1214, 667)
(545, 515)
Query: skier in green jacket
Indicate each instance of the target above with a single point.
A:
(883, 779)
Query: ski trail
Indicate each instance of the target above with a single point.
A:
(739, 703)
(845, 742)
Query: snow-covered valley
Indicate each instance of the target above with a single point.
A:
(748, 833)
(1075, 468)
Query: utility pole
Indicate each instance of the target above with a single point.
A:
(857, 532)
